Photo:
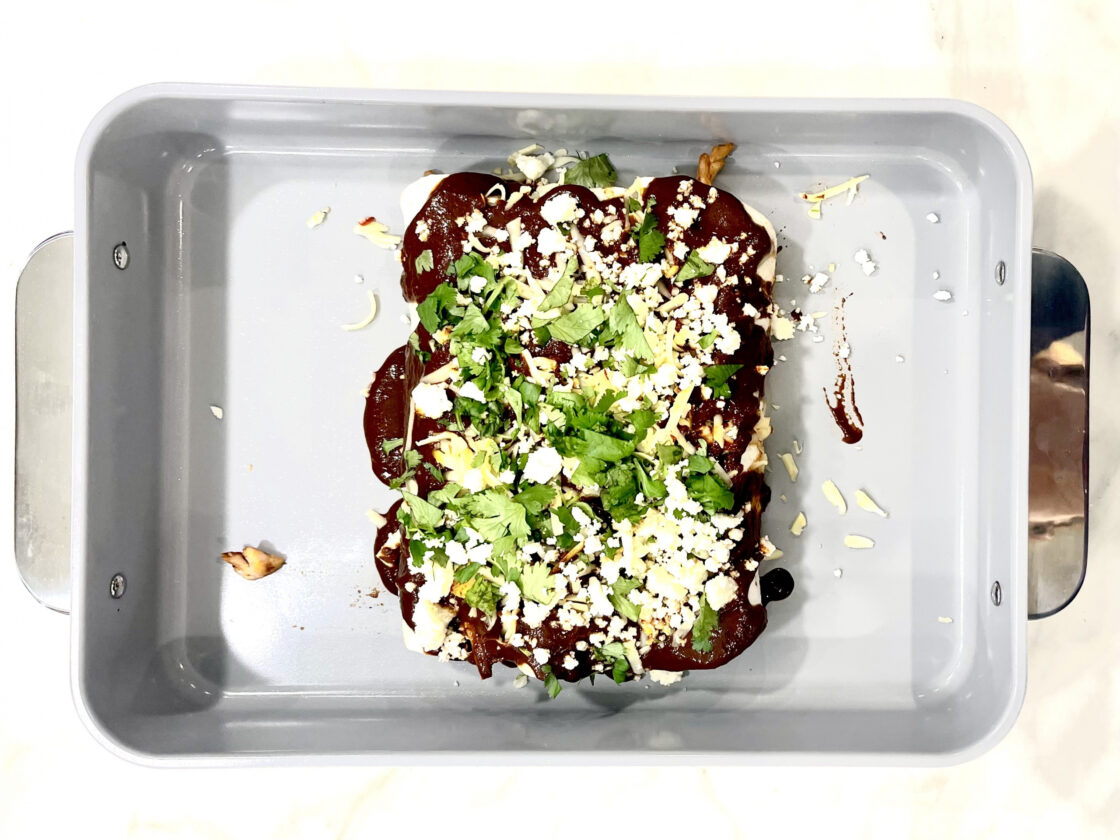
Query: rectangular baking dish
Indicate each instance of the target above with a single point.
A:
(914, 651)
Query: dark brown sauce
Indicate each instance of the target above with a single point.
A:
(386, 412)
(842, 401)
(777, 585)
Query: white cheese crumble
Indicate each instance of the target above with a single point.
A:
(430, 400)
(544, 464)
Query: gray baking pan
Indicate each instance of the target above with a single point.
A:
(197, 284)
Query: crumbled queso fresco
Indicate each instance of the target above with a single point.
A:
(580, 496)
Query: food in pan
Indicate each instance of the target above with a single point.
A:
(576, 424)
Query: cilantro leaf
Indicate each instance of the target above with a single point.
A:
(551, 684)
(435, 471)
(609, 651)
(699, 465)
(620, 589)
(643, 420)
(562, 291)
(624, 323)
(391, 445)
(575, 325)
(536, 497)
(707, 341)
(651, 488)
(424, 515)
(706, 621)
(513, 399)
(537, 583)
(716, 376)
(424, 262)
(482, 595)
(465, 573)
(650, 239)
(473, 323)
(595, 171)
(471, 265)
(669, 454)
(710, 492)
(494, 515)
(693, 267)
(620, 669)
(604, 447)
(651, 245)
(431, 310)
(445, 495)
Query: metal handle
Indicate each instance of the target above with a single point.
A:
(44, 362)
(1059, 447)
(1057, 549)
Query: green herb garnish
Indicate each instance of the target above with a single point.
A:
(551, 683)
(595, 171)
(716, 376)
(577, 324)
(391, 445)
(706, 621)
(693, 267)
(424, 262)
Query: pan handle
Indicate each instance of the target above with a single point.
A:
(44, 364)
(1057, 548)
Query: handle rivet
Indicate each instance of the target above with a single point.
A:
(117, 586)
(997, 593)
(1001, 273)
(120, 256)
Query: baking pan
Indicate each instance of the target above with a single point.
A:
(196, 283)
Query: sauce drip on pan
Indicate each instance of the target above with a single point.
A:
(842, 401)
(387, 407)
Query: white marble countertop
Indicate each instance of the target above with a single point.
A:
(1051, 71)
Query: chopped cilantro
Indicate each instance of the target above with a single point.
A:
(391, 445)
(716, 376)
(624, 324)
(424, 262)
(633, 205)
(412, 458)
(435, 305)
(631, 367)
(620, 589)
(494, 515)
(473, 323)
(651, 488)
(514, 400)
(424, 515)
(693, 267)
(643, 420)
(416, 549)
(435, 471)
(482, 595)
(551, 683)
(708, 340)
(536, 498)
(706, 621)
(710, 492)
(603, 447)
(575, 325)
(465, 573)
(595, 171)
(471, 265)
(445, 495)
(650, 240)
(620, 669)
(669, 454)
(536, 583)
(562, 291)
(542, 335)
(699, 465)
